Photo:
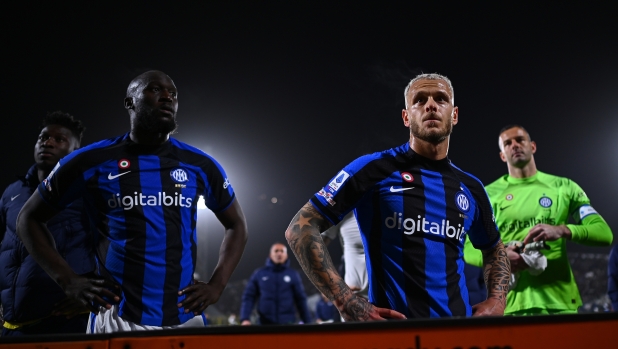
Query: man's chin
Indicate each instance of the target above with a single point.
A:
(433, 137)
(520, 163)
(159, 127)
(46, 165)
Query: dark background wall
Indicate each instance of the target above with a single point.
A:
(284, 94)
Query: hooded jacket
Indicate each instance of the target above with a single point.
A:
(27, 293)
(279, 293)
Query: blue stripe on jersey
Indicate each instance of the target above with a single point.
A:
(435, 261)
(392, 273)
(154, 266)
(93, 320)
(114, 258)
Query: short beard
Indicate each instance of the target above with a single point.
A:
(433, 135)
(148, 123)
(521, 163)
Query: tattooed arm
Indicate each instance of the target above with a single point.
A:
(497, 272)
(303, 236)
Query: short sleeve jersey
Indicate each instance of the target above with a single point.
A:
(142, 201)
(413, 214)
(519, 205)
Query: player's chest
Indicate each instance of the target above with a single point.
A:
(146, 173)
(521, 203)
(426, 199)
(146, 181)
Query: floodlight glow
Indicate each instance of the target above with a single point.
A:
(201, 204)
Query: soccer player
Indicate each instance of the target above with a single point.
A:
(278, 290)
(414, 208)
(140, 190)
(29, 296)
(531, 205)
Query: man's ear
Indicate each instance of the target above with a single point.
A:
(533, 145)
(406, 118)
(455, 116)
(128, 103)
(503, 157)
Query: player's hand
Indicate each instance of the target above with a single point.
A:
(199, 296)
(87, 293)
(357, 308)
(245, 323)
(489, 307)
(517, 262)
(546, 232)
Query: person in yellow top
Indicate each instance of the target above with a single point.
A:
(532, 206)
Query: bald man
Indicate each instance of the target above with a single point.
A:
(278, 290)
(140, 191)
(532, 206)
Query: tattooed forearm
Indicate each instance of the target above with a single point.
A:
(303, 235)
(497, 272)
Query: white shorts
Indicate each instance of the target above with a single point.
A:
(108, 321)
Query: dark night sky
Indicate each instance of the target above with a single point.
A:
(285, 95)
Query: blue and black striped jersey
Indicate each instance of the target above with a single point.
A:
(414, 214)
(143, 203)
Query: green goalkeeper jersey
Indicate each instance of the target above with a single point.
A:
(521, 203)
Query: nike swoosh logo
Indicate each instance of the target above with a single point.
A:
(505, 207)
(110, 176)
(393, 190)
(14, 197)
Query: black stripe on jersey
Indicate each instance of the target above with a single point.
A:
(375, 254)
(456, 304)
(101, 244)
(174, 248)
(135, 245)
(414, 251)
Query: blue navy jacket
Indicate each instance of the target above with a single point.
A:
(26, 291)
(279, 291)
(326, 310)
